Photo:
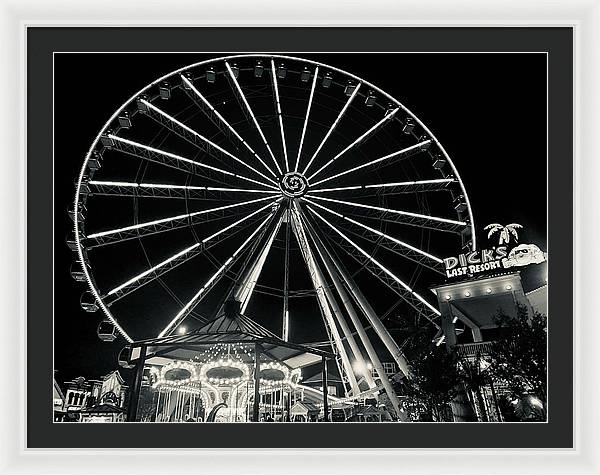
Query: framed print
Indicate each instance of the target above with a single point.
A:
(263, 230)
(293, 239)
(276, 238)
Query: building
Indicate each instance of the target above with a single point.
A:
(95, 400)
(468, 320)
(58, 402)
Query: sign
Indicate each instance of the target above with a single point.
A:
(496, 258)
(475, 262)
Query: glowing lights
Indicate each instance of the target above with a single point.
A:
(224, 121)
(244, 293)
(399, 184)
(239, 221)
(175, 374)
(174, 218)
(278, 374)
(152, 269)
(333, 126)
(362, 368)
(455, 319)
(112, 183)
(147, 148)
(387, 210)
(534, 401)
(440, 341)
(166, 186)
(508, 287)
(379, 233)
(249, 109)
(310, 99)
(182, 330)
(467, 294)
(274, 76)
(192, 302)
(377, 263)
(387, 117)
(488, 290)
(448, 297)
(218, 372)
(286, 326)
(204, 139)
(373, 162)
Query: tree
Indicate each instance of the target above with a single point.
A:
(474, 374)
(435, 379)
(505, 231)
(518, 358)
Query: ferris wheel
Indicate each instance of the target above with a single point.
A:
(197, 180)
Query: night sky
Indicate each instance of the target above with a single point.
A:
(488, 111)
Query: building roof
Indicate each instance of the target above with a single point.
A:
(117, 374)
(57, 391)
(304, 407)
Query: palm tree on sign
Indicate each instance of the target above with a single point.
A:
(505, 231)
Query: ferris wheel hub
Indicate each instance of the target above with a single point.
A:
(293, 185)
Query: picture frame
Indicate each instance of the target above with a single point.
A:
(581, 16)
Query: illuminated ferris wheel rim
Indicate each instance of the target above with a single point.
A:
(284, 188)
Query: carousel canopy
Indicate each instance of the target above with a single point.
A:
(230, 327)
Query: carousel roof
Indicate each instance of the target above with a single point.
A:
(232, 327)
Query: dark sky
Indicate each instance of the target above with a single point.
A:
(488, 111)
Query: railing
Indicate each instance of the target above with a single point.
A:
(472, 349)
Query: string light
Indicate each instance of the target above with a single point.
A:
(289, 378)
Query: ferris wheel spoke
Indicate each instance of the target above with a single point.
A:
(406, 217)
(406, 152)
(362, 138)
(238, 222)
(163, 190)
(222, 119)
(333, 126)
(418, 186)
(146, 152)
(191, 304)
(164, 224)
(193, 137)
(279, 114)
(381, 272)
(155, 272)
(394, 245)
(241, 95)
(285, 327)
(310, 101)
(245, 290)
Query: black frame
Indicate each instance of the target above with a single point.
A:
(43, 433)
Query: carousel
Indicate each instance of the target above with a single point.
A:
(230, 370)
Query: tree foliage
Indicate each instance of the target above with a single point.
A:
(518, 359)
(435, 376)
